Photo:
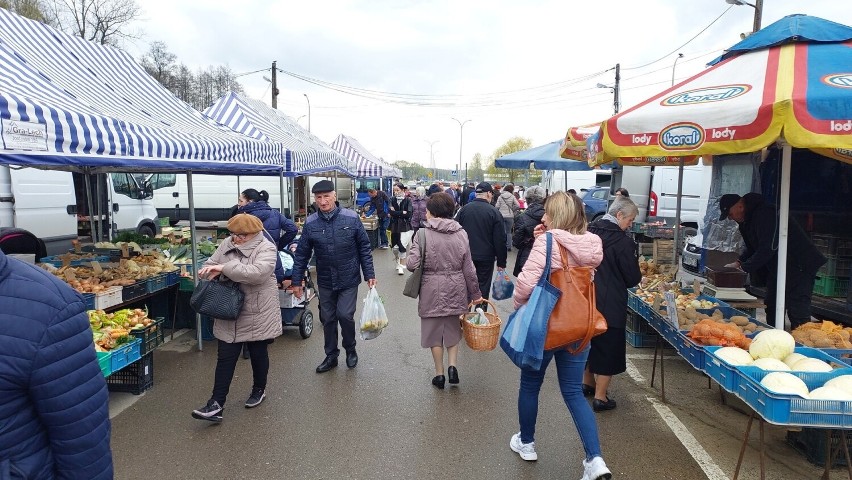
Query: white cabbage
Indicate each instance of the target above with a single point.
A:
(830, 393)
(772, 343)
(791, 359)
(770, 364)
(734, 355)
(786, 383)
(811, 365)
(843, 382)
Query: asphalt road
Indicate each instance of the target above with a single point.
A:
(384, 419)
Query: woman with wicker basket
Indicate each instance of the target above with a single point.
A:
(448, 285)
(565, 220)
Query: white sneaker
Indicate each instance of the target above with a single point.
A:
(596, 470)
(525, 450)
(400, 269)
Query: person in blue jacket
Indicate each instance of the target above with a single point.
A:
(54, 405)
(281, 228)
(337, 237)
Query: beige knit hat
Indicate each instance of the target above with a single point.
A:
(244, 223)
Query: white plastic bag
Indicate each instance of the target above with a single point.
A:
(373, 316)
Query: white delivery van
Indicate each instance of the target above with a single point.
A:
(216, 195)
(54, 205)
(557, 180)
(654, 190)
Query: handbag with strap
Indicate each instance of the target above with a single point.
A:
(575, 318)
(220, 299)
(523, 337)
(412, 284)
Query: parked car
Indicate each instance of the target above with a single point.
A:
(596, 201)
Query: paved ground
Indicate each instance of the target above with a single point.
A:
(384, 419)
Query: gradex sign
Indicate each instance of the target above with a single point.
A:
(705, 95)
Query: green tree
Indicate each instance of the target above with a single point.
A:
(32, 9)
(514, 144)
(475, 173)
(159, 62)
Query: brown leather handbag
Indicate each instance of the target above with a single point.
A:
(575, 318)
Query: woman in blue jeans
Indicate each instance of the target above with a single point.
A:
(565, 220)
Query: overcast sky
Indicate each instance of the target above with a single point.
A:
(512, 68)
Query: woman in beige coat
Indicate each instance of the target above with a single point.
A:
(248, 258)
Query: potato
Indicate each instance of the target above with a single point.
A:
(740, 320)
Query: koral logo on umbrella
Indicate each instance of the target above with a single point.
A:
(705, 95)
(682, 136)
(842, 80)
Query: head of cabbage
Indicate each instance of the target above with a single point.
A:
(773, 343)
(786, 383)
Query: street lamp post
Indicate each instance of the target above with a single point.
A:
(309, 111)
(431, 157)
(461, 140)
(616, 102)
(758, 11)
(679, 56)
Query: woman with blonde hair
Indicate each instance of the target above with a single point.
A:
(565, 222)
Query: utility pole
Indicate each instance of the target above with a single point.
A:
(432, 157)
(617, 102)
(274, 85)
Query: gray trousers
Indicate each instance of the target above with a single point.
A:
(338, 307)
(508, 223)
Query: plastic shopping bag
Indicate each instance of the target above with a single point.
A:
(502, 286)
(405, 238)
(373, 316)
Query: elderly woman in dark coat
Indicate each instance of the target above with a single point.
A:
(523, 238)
(248, 258)
(618, 272)
(449, 284)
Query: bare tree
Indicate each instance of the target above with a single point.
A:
(32, 9)
(159, 62)
(100, 21)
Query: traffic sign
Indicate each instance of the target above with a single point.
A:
(455, 173)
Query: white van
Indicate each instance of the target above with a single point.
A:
(654, 190)
(54, 205)
(214, 196)
(556, 180)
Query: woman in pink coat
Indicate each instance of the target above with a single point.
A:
(448, 285)
(565, 221)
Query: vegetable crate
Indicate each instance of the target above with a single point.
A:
(124, 355)
(659, 231)
(151, 336)
(172, 278)
(56, 260)
(108, 298)
(836, 266)
(664, 251)
(725, 374)
(636, 323)
(831, 245)
(831, 286)
(105, 363)
(155, 283)
(134, 291)
(136, 378)
(844, 355)
(641, 340)
(812, 443)
(187, 284)
(89, 300)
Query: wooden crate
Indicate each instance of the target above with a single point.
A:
(663, 251)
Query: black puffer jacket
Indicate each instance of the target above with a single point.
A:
(342, 248)
(485, 231)
(618, 271)
(523, 238)
(399, 220)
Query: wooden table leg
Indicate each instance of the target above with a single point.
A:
(662, 370)
(174, 310)
(654, 365)
(742, 449)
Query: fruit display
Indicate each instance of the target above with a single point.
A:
(85, 279)
(109, 330)
(688, 317)
(823, 334)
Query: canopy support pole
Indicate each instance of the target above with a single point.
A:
(677, 214)
(194, 246)
(239, 190)
(87, 177)
(281, 191)
(783, 227)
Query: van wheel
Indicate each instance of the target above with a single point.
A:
(597, 217)
(146, 231)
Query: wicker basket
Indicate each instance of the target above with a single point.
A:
(481, 337)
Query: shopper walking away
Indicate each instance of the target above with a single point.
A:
(447, 272)
(486, 235)
(54, 406)
(522, 237)
(343, 253)
(379, 203)
(618, 271)
(248, 258)
(418, 209)
(280, 228)
(507, 204)
(400, 212)
(565, 220)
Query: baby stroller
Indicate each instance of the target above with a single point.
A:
(293, 311)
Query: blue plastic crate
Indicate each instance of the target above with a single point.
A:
(641, 340)
(725, 374)
(812, 379)
(125, 355)
(693, 353)
(89, 300)
(842, 354)
(155, 283)
(636, 323)
(56, 260)
(173, 278)
(662, 326)
(781, 409)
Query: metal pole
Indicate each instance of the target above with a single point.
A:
(758, 14)
(274, 85)
(676, 247)
(87, 177)
(783, 227)
(679, 56)
(281, 185)
(194, 245)
(309, 111)
(617, 89)
(100, 209)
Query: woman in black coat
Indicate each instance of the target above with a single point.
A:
(618, 271)
(400, 211)
(523, 238)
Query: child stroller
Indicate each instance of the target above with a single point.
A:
(295, 312)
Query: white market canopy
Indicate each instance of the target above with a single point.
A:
(69, 103)
(255, 119)
(366, 164)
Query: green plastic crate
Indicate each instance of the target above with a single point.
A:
(831, 286)
(105, 362)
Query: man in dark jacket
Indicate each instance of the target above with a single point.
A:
(343, 253)
(618, 271)
(523, 237)
(379, 204)
(758, 222)
(486, 235)
(54, 406)
(466, 193)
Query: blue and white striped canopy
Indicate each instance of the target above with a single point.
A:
(67, 103)
(257, 120)
(366, 164)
